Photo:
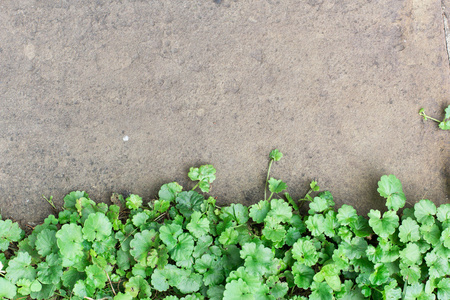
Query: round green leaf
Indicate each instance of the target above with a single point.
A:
(303, 275)
(7, 289)
(385, 226)
(409, 231)
(188, 202)
(305, 252)
(424, 211)
(141, 245)
(97, 227)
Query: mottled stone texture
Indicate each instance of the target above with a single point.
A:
(335, 85)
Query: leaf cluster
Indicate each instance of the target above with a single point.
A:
(183, 246)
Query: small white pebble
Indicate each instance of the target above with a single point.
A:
(125, 138)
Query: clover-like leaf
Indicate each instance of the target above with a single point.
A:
(229, 236)
(198, 226)
(237, 289)
(390, 188)
(140, 219)
(97, 227)
(169, 191)
(424, 211)
(274, 232)
(51, 270)
(205, 172)
(7, 289)
(169, 234)
(303, 275)
(438, 266)
(69, 240)
(183, 249)
(46, 242)
(205, 175)
(236, 212)
(445, 237)
(321, 291)
(159, 281)
(445, 125)
(9, 232)
(138, 287)
(354, 249)
(409, 231)
(318, 205)
(416, 291)
(161, 206)
(276, 186)
(258, 211)
(275, 155)
(430, 233)
(210, 268)
(443, 213)
(330, 273)
(347, 215)
(304, 252)
(96, 276)
(280, 210)
(71, 276)
(259, 260)
(71, 199)
(411, 255)
(133, 202)
(411, 273)
(20, 268)
(384, 226)
(315, 224)
(443, 289)
(188, 202)
(141, 245)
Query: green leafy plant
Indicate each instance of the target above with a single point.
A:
(183, 246)
(444, 124)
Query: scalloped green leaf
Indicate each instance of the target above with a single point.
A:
(424, 211)
(9, 232)
(169, 191)
(97, 227)
(383, 226)
(188, 202)
(142, 243)
(390, 188)
(258, 211)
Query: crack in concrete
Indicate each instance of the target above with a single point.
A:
(446, 28)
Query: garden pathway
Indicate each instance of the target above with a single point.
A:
(124, 96)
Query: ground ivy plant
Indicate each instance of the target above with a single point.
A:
(183, 246)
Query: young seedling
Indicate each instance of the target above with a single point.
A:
(444, 124)
(205, 175)
(274, 155)
(50, 201)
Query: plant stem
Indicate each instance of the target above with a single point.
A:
(270, 196)
(423, 114)
(50, 201)
(110, 283)
(267, 179)
(436, 120)
(195, 186)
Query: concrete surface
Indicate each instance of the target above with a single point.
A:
(123, 96)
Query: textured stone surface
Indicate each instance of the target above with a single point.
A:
(335, 85)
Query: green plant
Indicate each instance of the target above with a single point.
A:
(183, 246)
(444, 124)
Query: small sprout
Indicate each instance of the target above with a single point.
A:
(444, 124)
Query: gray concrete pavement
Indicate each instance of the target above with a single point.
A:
(335, 85)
